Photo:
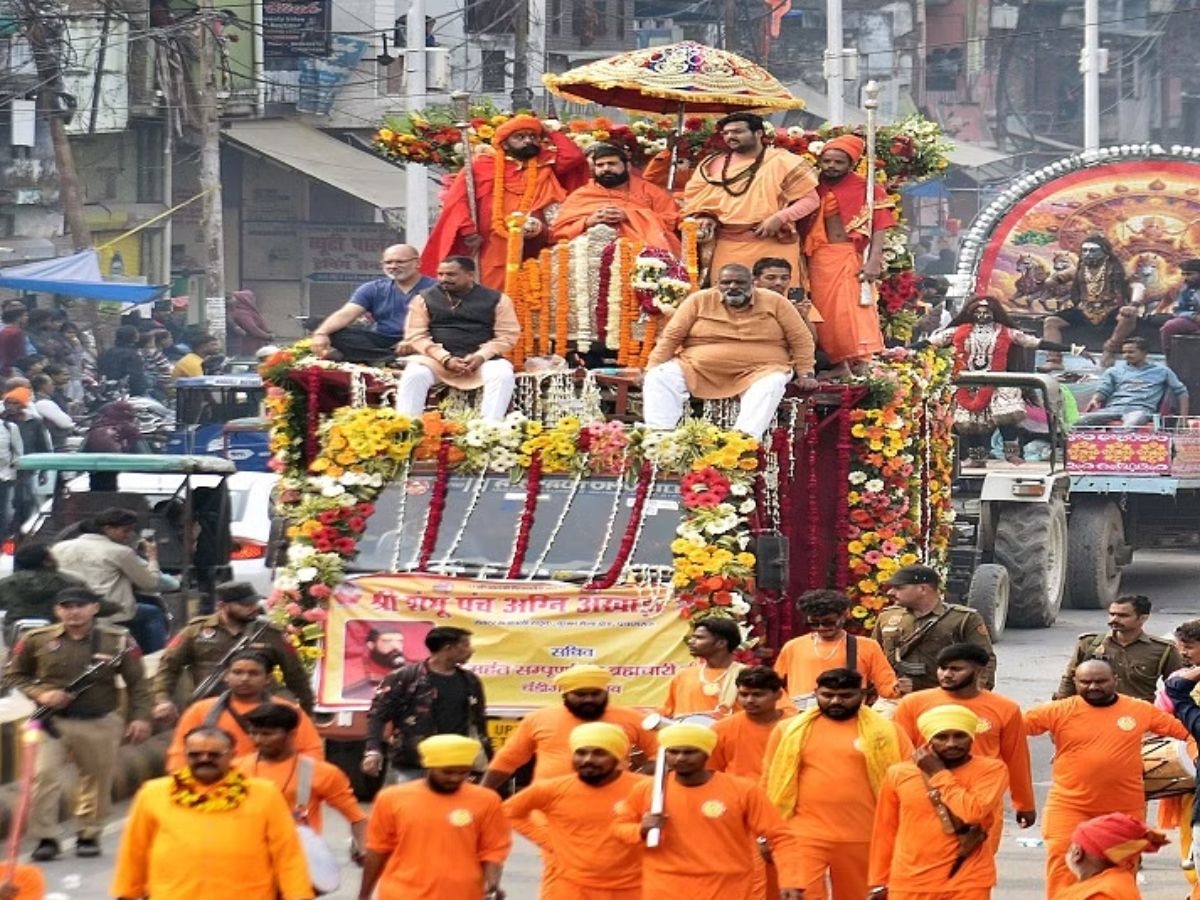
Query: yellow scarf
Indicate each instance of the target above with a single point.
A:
(880, 746)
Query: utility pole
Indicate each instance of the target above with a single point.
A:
(835, 62)
(1092, 62)
(212, 225)
(521, 95)
(416, 178)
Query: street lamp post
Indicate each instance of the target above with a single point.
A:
(835, 61)
(416, 178)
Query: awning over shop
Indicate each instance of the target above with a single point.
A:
(77, 275)
(313, 153)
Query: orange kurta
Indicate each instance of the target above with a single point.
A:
(436, 844)
(1114, 883)
(329, 785)
(835, 807)
(651, 215)
(1097, 767)
(782, 179)
(546, 733)
(908, 846)
(658, 172)
(742, 744)
(686, 695)
(169, 852)
(308, 741)
(850, 330)
(29, 882)
(1001, 734)
(707, 841)
(723, 351)
(801, 660)
(575, 829)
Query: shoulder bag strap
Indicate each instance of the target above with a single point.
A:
(306, 769)
(852, 652)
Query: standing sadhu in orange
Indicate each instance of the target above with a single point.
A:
(709, 688)
(708, 828)
(536, 172)
(621, 199)
(1104, 856)
(930, 838)
(1097, 767)
(742, 738)
(439, 838)
(844, 247)
(1001, 733)
(570, 819)
(822, 772)
(749, 198)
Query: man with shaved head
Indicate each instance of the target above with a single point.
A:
(385, 300)
(1097, 769)
(732, 340)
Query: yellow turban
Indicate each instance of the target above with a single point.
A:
(609, 738)
(444, 751)
(949, 717)
(583, 678)
(685, 735)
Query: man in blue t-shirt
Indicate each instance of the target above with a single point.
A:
(385, 300)
(1131, 392)
(1185, 312)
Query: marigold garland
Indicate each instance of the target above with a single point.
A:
(648, 340)
(500, 165)
(224, 796)
(688, 229)
(627, 350)
(540, 271)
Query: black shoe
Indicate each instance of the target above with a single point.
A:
(87, 847)
(45, 851)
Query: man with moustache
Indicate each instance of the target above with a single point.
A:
(385, 654)
(748, 198)
(460, 331)
(708, 688)
(1001, 734)
(250, 846)
(822, 772)
(733, 340)
(1097, 767)
(775, 274)
(439, 838)
(844, 247)
(621, 199)
(546, 732)
(930, 840)
(570, 819)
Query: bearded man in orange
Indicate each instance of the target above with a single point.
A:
(822, 772)
(524, 174)
(844, 247)
(930, 840)
(621, 199)
(1104, 856)
(1097, 766)
(570, 819)
(708, 828)
(748, 199)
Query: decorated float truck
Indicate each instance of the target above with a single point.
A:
(1101, 493)
(559, 537)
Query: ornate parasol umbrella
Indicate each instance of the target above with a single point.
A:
(684, 76)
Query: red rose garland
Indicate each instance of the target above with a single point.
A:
(437, 505)
(814, 527)
(606, 266)
(312, 378)
(842, 524)
(521, 542)
(704, 489)
(781, 447)
(609, 578)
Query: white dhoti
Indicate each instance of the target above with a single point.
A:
(498, 381)
(664, 393)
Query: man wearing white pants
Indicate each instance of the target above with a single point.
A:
(460, 329)
(734, 340)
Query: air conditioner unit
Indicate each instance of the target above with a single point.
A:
(24, 117)
(437, 68)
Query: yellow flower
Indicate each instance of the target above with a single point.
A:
(745, 559)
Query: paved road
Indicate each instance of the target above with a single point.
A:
(1030, 665)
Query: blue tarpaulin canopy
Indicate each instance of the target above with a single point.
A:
(76, 276)
(934, 189)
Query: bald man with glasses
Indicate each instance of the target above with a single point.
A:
(386, 300)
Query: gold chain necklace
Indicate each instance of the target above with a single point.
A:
(816, 641)
(712, 688)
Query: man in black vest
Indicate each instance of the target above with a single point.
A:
(461, 330)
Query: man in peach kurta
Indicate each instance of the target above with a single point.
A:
(822, 772)
(546, 733)
(708, 828)
(177, 847)
(827, 646)
(1001, 733)
(734, 340)
(570, 819)
(1097, 767)
(537, 169)
(913, 857)
(1104, 857)
(748, 198)
(621, 199)
(844, 247)
(439, 838)
(710, 686)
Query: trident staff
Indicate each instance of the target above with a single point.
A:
(871, 105)
(461, 101)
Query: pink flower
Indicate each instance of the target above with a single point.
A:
(890, 548)
(320, 591)
(293, 609)
(871, 556)
(314, 615)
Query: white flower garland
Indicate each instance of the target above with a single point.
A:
(613, 318)
(401, 506)
(580, 295)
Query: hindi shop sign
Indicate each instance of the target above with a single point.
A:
(343, 253)
(295, 29)
(524, 633)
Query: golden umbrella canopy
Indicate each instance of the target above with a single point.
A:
(684, 76)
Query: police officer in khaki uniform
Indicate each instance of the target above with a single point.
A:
(87, 724)
(1137, 659)
(206, 640)
(920, 625)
